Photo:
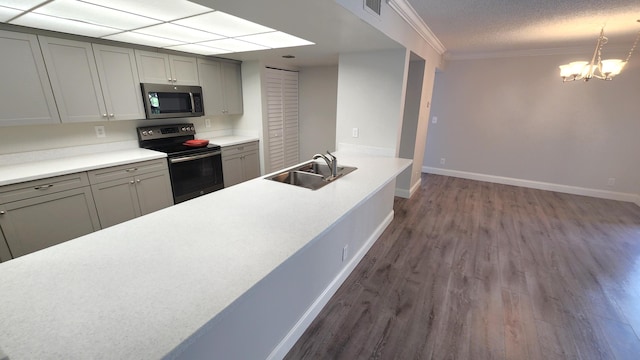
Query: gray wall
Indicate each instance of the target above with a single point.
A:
(318, 96)
(514, 118)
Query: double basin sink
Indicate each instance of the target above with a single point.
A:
(311, 175)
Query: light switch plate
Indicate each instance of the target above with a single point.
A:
(355, 132)
(100, 131)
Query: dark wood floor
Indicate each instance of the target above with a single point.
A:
(474, 270)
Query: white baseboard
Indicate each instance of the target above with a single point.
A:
(404, 193)
(303, 323)
(576, 190)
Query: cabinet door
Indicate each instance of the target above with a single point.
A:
(5, 254)
(36, 223)
(232, 170)
(153, 67)
(116, 201)
(251, 165)
(154, 191)
(74, 79)
(184, 70)
(232, 88)
(120, 82)
(26, 97)
(211, 82)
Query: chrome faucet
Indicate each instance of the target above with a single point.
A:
(331, 161)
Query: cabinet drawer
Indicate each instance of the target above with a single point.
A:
(240, 148)
(45, 186)
(124, 171)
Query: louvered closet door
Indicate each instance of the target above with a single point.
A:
(282, 118)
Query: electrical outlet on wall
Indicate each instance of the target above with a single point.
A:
(442, 161)
(355, 132)
(434, 120)
(611, 181)
(207, 123)
(100, 131)
(345, 252)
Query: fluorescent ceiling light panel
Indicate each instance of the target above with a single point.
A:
(98, 15)
(197, 49)
(67, 26)
(223, 24)
(234, 45)
(165, 10)
(179, 33)
(21, 4)
(275, 39)
(142, 39)
(7, 13)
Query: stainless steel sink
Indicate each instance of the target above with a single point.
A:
(311, 175)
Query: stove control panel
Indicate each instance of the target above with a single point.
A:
(165, 131)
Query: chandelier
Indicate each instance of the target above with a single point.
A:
(597, 68)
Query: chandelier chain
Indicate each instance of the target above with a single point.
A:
(633, 47)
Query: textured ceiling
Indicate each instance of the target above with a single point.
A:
(480, 26)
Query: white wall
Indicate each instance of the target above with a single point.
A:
(318, 96)
(370, 98)
(16, 139)
(514, 118)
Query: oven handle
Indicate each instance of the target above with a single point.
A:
(193, 105)
(193, 157)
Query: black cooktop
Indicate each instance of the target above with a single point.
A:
(169, 139)
(179, 149)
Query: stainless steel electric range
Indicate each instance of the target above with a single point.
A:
(195, 170)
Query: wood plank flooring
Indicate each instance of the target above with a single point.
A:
(474, 270)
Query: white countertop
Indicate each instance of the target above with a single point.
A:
(231, 140)
(15, 173)
(141, 288)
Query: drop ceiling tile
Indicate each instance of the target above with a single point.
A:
(62, 25)
(7, 13)
(142, 39)
(21, 4)
(179, 33)
(223, 24)
(165, 10)
(98, 15)
(197, 49)
(275, 39)
(234, 45)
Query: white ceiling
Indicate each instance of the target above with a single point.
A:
(470, 26)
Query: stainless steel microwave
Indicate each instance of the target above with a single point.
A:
(163, 101)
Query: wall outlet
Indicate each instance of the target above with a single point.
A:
(434, 120)
(611, 181)
(207, 123)
(100, 131)
(442, 161)
(355, 132)
(345, 252)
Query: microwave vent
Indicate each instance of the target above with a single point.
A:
(373, 6)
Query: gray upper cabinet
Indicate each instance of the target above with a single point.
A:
(221, 87)
(74, 78)
(118, 75)
(26, 97)
(38, 214)
(159, 68)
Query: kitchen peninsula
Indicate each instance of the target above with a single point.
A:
(238, 273)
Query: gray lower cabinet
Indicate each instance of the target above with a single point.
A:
(38, 214)
(240, 163)
(124, 192)
(5, 254)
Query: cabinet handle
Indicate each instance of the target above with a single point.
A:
(131, 170)
(138, 181)
(175, 80)
(131, 182)
(2, 212)
(43, 187)
(110, 115)
(104, 115)
(169, 79)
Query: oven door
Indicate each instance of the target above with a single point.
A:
(195, 175)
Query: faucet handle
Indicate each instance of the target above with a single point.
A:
(332, 156)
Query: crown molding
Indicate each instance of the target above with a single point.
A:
(409, 14)
(587, 51)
